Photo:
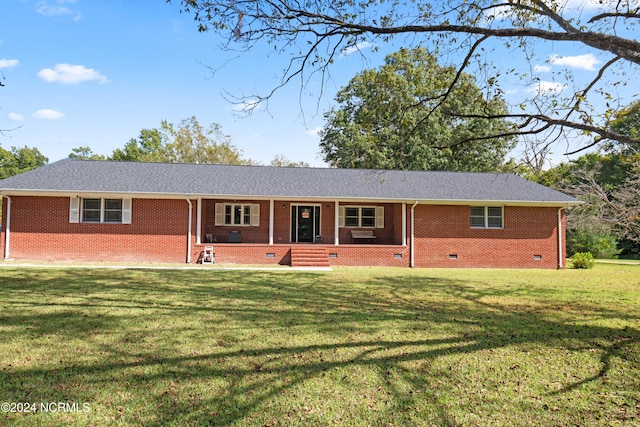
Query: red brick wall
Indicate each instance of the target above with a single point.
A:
(40, 230)
(391, 234)
(528, 231)
(248, 233)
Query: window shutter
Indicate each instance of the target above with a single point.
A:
(379, 216)
(341, 213)
(255, 215)
(126, 211)
(74, 209)
(219, 214)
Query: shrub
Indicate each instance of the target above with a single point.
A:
(583, 260)
(599, 244)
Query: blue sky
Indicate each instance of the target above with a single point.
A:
(94, 73)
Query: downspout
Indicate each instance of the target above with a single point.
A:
(560, 238)
(413, 235)
(7, 232)
(189, 233)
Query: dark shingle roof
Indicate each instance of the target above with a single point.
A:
(176, 179)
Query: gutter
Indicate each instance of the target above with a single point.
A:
(560, 266)
(189, 232)
(413, 235)
(7, 232)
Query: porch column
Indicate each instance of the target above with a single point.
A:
(199, 221)
(336, 228)
(271, 209)
(404, 224)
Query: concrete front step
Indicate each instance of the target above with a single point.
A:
(309, 256)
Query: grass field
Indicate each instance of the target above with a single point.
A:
(352, 347)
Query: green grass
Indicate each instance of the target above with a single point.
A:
(352, 347)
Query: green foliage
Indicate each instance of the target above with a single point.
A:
(409, 114)
(189, 142)
(627, 122)
(85, 153)
(20, 160)
(282, 161)
(583, 260)
(148, 147)
(599, 244)
(608, 184)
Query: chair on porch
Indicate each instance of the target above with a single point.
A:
(208, 255)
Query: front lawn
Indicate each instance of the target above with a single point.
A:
(352, 347)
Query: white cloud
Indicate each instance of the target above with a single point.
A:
(48, 114)
(246, 106)
(584, 62)
(356, 48)
(498, 13)
(71, 74)
(15, 117)
(544, 87)
(8, 63)
(541, 68)
(571, 7)
(314, 132)
(583, 5)
(58, 8)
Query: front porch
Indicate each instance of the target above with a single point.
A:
(285, 254)
(291, 222)
(297, 233)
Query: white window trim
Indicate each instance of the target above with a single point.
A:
(486, 218)
(378, 218)
(254, 213)
(75, 210)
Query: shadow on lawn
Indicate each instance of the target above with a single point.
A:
(440, 317)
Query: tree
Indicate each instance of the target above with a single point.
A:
(85, 153)
(20, 160)
(627, 122)
(609, 186)
(187, 143)
(617, 209)
(281, 160)
(192, 143)
(148, 147)
(475, 34)
(411, 113)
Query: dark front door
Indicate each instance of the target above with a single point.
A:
(305, 224)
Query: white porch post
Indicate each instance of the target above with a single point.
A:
(199, 221)
(413, 234)
(404, 224)
(189, 231)
(336, 228)
(271, 212)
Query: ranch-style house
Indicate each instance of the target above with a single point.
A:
(108, 211)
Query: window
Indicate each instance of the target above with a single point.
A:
(112, 210)
(362, 216)
(486, 216)
(100, 210)
(352, 217)
(91, 210)
(237, 214)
